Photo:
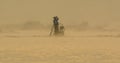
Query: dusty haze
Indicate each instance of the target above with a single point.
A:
(96, 12)
(92, 33)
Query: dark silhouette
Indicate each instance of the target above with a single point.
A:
(56, 25)
(57, 28)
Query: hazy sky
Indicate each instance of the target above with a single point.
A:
(72, 11)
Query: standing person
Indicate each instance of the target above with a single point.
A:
(56, 25)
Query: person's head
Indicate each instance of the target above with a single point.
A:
(54, 17)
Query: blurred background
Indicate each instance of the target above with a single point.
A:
(74, 14)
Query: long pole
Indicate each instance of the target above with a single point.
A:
(51, 32)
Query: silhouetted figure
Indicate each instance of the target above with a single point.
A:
(57, 28)
(56, 25)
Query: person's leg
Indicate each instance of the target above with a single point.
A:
(56, 30)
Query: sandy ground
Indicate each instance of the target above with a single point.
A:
(74, 47)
